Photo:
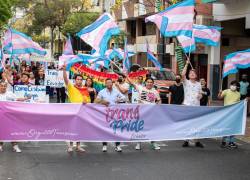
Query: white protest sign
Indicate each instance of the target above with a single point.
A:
(135, 96)
(54, 78)
(37, 93)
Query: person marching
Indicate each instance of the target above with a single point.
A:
(230, 96)
(9, 96)
(110, 96)
(204, 101)
(77, 93)
(192, 95)
(176, 92)
(147, 95)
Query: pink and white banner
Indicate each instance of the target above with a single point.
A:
(127, 122)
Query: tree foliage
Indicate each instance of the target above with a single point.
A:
(52, 14)
(5, 11)
(76, 21)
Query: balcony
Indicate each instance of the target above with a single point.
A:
(141, 45)
(141, 9)
(225, 10)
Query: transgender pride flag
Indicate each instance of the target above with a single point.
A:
(1, 60)
(98, 33)
(16, 42)
(187, 43)
(68, 50)
(175, 20)
(117, 52)
(126, 62)
(209, 35)
(235, 61)
(153, 59)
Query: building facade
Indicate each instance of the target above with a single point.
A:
(131, 18)
(234, 17)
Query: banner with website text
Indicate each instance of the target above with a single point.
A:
(127, 122)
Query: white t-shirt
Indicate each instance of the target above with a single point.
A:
(191, 93)
(112, 97)
(148, 96)
(8, 96)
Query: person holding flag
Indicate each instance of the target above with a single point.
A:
(77, 93)
(192, 95)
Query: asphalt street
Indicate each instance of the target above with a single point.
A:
(50, 161)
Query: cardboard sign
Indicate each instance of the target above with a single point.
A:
(37, 93)
(54, 78)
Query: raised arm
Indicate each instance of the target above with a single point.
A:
(121, 89)
(132, 83)
(65, 76)
(184, 71)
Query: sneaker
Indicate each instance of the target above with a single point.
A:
(185, 144)
(80, 149)
(104, 148)
(223, 144)
(138, 146)
(155, 146)
(16, 149)
(199, 144)
(118, 148)
(232, 145)
(1, 148)
(70, 149)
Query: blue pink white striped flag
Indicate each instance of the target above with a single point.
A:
(126, 61)
(1, 60)
(187, 43)
(117, 52)
(98, 33)
(175, 20)
(153, 59)
(209, 35)
(16, 42)
(235, 61)
(68, 50)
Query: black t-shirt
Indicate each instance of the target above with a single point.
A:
(205, 95)
(177, 95)
(39, 81)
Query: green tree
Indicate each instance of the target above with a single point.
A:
(5, 12)
(51, 13)
(78, 20)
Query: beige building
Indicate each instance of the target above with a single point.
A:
(131, 19)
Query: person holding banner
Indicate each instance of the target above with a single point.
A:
(147, 95)
(77, 93)
(192, 94)
(230, 96)
(110, 96)
(9, 96)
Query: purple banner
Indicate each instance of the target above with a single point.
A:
(127, 122)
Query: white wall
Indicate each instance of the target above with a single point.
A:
(232, 9)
